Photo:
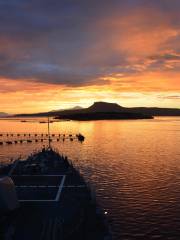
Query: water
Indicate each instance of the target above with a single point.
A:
(134, 167)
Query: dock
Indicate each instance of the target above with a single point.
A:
(20, 138)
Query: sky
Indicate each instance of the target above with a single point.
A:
(56, 54)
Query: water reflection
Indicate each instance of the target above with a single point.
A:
(133, 166)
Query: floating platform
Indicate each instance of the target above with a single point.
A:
(15, 138)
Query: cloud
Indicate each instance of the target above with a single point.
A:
(73, 43)
(167, 56)
(121, 45)
(172, 97)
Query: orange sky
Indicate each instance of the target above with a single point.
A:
(129, 55)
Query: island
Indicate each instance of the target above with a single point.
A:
(102, 111)
(105, 110)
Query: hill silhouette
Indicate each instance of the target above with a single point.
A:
(3, 114)
(104, 107)
(105, 110)
(101, 110)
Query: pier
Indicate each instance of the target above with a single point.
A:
(20, 138)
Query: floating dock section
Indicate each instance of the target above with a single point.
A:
(19, 138)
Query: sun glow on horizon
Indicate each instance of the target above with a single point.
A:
(125, 52)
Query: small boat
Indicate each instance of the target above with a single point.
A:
(80, 137)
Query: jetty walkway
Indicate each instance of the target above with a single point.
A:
(19, 138)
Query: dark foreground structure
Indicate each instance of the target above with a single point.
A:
(45, 198)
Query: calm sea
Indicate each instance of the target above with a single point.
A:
(134, 167)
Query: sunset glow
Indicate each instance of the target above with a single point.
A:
(61, 55)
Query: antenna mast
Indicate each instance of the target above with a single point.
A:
(49, 139)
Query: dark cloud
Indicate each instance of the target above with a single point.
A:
(59, 42)
(166, 57)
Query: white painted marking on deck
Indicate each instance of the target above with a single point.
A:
(60, 188)
(42, 186)
(37, 175)
(37, 200)
(49, 186)
(74, 186)
(38, 186)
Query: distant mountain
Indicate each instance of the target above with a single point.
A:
(157, 111)
(76, 108)
(105, 108)
(3, 114)
(59, 110)
(50, 113)
(96, 107)
(102, 110)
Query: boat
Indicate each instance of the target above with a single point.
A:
(80, 137)
(44, 197)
